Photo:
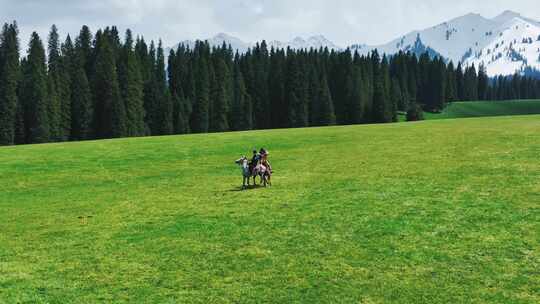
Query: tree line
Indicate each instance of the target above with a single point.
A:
(100, 86)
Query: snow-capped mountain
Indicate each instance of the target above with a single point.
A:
(315, 42)
(504, 44)
(297, 43)
(516, 46)
(218, 41)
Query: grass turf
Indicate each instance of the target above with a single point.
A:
(487, 108)
(443, 211)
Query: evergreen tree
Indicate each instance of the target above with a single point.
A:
(314, 91)
(242, 118)
(35, 93)
(470, 84)
(451, 89)
(53, 83)
(9, 79)
(164, 109)
(63, 85)
(276, 87)
(395, 97)
(298, 105)
(357, 98)
(460, 83)
(326, 115)
(221, 98)
(382, 108)
(151, 94)
(483, 84)
(200, 121)
(83, 43)
(437, 84)
(82, 110)
(260, 97)
(110, 112)
(131, 88)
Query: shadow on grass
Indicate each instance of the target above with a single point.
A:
(247, 188)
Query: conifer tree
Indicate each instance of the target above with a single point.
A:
(483, 84)
(470, 84)
(83, 43)
(241, 105)
(437, 83)
(395, 97)
(260, 96)
(278, 109)
(9, 79)
(131, 87)
(382, 109)
(164, 109)
(110, 112)
(200, 121)
(82, 106)
(221, 98)
(298, 105)
(35, 93)
(151, 94)
(314, 90)
(53, 82)
(460, 84)
(326, 116)
(451, 89)
(357, 98)
(63, 85)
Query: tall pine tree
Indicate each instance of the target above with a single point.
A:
(110, 112)
(131, 88)
(9, 79)
(35, 93)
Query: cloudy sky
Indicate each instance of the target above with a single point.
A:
(342, 21)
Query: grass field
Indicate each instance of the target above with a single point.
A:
(444, 211)
(487, 108)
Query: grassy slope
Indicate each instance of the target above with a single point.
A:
(487, 108)
(432, 212)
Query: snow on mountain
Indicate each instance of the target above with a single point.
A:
(297, 43)
(504, 44)
(218, 41)
(515, 47)
(451, 39)
(315, 42)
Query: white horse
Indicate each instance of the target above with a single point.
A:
(247, 174)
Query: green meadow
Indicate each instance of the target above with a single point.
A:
(442, 211)
(487, 108)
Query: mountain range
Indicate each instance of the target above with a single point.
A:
(504, 45)
(237, 44)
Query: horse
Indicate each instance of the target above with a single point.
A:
(268, 171)
(247, 174)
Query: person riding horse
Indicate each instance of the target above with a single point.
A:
(254, 160)
(264, 159)
(260, 158)
(257, 166)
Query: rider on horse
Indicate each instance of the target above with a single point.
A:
(264, 159)
(254, 160)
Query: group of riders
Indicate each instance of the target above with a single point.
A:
(260, 159)
(257, 166)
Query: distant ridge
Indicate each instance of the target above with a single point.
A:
(506, 44)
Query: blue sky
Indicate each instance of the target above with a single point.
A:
(342, 21)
